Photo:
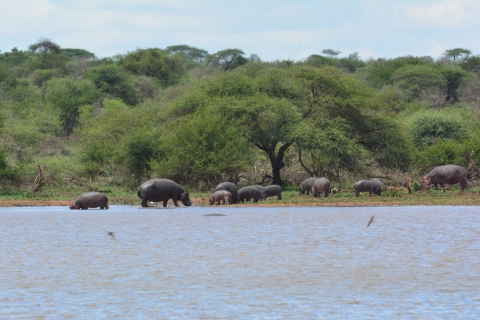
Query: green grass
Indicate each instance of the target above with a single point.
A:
(290, 196)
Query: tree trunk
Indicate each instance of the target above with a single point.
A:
(276, 161)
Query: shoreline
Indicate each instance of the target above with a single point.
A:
(307, 202)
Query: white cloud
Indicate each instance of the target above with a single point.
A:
(18, 15)
(272, 29)
(445, 14)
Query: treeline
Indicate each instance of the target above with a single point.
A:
(200, 118)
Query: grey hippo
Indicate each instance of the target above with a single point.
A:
(156, 190)
(90, 200)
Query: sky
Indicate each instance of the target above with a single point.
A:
(271, 29)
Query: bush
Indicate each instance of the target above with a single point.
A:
(429, 126)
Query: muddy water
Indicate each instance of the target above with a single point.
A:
(224, 262)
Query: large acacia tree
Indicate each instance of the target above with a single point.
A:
(277, 106)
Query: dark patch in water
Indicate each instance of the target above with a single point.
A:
(214, 215)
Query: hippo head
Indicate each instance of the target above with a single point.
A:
(427, 180)
(185, 198)
(378, 191)
(211, 200)
(72, 206)
(301, 189)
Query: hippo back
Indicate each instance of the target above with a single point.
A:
(231, 187)
(321, 185)
(306, 185)
(449, 174)
(157, 190)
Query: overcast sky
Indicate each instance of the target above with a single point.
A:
(272, 29)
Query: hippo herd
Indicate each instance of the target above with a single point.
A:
(228, 193)
(162, 190)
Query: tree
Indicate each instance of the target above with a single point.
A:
(270, 123)
(428, 126)
(191, 53)
(50, 53)
(456, 53)
(415, 79)
(471, 63)
(380, 72)
(115, 82)
(69, 95)
(331, 53)
(228, 59)
(155, 63)
(203, 149)
(140, 148)
(78, 53)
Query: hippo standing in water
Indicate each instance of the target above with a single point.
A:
(231, 187)
(449, 174)
(157, 190)
(220, 196)
(321, 186)
(306, 185)
(90, 200)
(373, 186)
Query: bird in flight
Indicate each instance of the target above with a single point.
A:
(371, 220)
(111, 234)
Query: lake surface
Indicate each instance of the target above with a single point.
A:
(253, 262)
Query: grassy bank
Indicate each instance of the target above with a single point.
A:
(58, 195)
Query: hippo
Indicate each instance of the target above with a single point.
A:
(378, 181)
(306, 185)
(321, 186)
(271, 191)
(90, 200)
(223, 196)
(250, 192)
(373, 186)
(261, 189)
(229, 187)
(157, 190)
(449, 174)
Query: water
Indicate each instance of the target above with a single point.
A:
(254, 262)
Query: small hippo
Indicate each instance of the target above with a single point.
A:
(321, 186)
(373, 186)
(250, 192)
(231, 187)
(223, 196)
(449, 174)
(90, 200)
(306, 185)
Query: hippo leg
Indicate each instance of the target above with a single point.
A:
(144, 203)
(255, 200)
(463, 185)
(175, 202)
(280, 197)
(165, 203)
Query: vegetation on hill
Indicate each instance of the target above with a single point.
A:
(200, 118)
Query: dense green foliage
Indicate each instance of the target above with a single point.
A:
(200, 118)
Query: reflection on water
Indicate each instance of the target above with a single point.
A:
(252, 262)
